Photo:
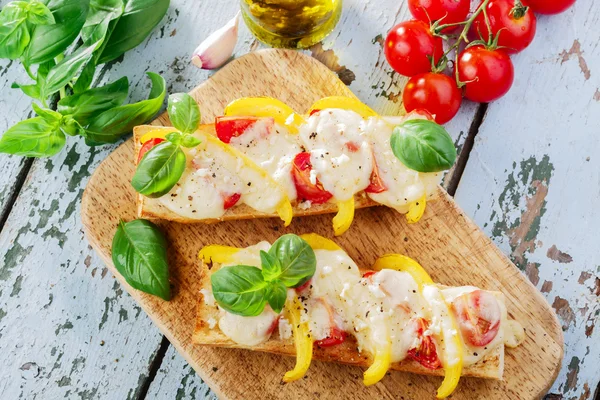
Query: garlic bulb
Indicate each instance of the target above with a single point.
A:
(216, 49)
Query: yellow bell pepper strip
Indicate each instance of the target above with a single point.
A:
(381, 365)
(217, 253)
(416, 210)
(399, 262)
(451, 377)
(266, 107)
(302, 340)
(156, 133)
(344, 216)
(318, 242)
(285, 212)
(344, 103)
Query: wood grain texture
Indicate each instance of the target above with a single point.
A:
(452, 248)
(532, 182)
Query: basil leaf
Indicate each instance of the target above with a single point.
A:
(63, 72)
(296, 257)
(48, 41)
(50, 116)
(240, 290)
(34, 137)
(173, 137)
(14, 35)
(92, 102)
(109, 126)
(277, 296)
(84, 81)
(184, 112)
(71, 127)
(32, 91)
(159, 170)
(39, 14)
(190, 141)
(271, 268)
(35, 90)
(423, 146)
(139, 253)
(138, 20)
(99, 16)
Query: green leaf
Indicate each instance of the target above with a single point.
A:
(109, 126)
(423, 146)
(39, 14)
(190, 141)
(14, 34)
(48, 41)
(184, 112)
(93, 102)
(139, 18)
(71, 127)
(159, 170)
(139, 253)
(63, 72)
(271, 268)
(35, 90)
(100, 14)
(50, 116)
(296, 257)
(34, 137)
(173, 137)
(32, 91)
(240, 290)
(277, 296)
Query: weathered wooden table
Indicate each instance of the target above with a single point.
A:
(528, 174)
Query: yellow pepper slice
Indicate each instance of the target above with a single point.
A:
(156, 133)
(451, 377)
(403, 263)
(381, 365)
(266, 107)
(217, 253)
(344, 216)
(345, 103)
(302, 341)
(318, 242)
(285, 212)
(416, 210)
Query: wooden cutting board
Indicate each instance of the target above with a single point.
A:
(445, 242)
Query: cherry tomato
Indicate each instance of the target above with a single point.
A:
(314, 193)
(314, 112)
(478, 315)
(303, 286)
(549, 6)
(435, 93)
(448, 11)
(336, 336)
(515, 22)
(369, 274)
(419, 113)
(231, 200)
(409, 47)
(487, 74)
(376, 185)
(273, 325)
(147, 146)
(228, 127)
(425, 353)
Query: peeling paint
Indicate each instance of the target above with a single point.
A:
(572, 374)
(64, 327)
(564, 311)
(331, 61)
(532, 270)
(546, 287)
(555, 254)
(576, 51)
(584, 276)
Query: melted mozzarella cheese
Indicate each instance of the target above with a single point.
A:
(249, 331)
(442, 326)
(341, 154)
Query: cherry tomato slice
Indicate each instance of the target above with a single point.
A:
(273, 325)
(304, 286)
(336, 336)
(549, 6)
(376, 185)
(229, 127)
(425, 354)
(314, 193)
(231, 200)
(352, 147)
(147, 146)
(435, 93)
(448, 11)
(369, 274)
(314, 112)
(478, 315)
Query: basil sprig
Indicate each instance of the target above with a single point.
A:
(163, 165)
(245, 290)
(423, 146)
(45, 32)
(139, 252)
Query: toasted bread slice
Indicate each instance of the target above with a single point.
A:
(153, 209)
(490, 367)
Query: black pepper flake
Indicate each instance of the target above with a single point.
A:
(349, 267)
(475, 354)
(193, 211)
(173, 194)
(367, 314)
(414, 291)
(190, 198)
(215, 369)
(214, 175)
(312, 135)
(249, 183)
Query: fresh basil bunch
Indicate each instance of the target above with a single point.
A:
(40, 33)
(245, 290)
(162, 166)
(139, 253)
(423, 146)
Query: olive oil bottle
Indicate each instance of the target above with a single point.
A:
(291, 23)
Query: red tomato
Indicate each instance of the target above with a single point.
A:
(369, 274)
(515, 22)
(376, 185)
(435, 93)
(352, 147)
(478, 315)
(448, 11)
(420, 113)
(303, 287)
(231, 200)
(409, 47)
(228, 127)
(147, 146)
(314, 193)
(425, 353)
(273, 325)
(314, 111)
(549, 6)
(487, 74)
(336, 336)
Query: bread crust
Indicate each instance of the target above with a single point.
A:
(490, 367)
